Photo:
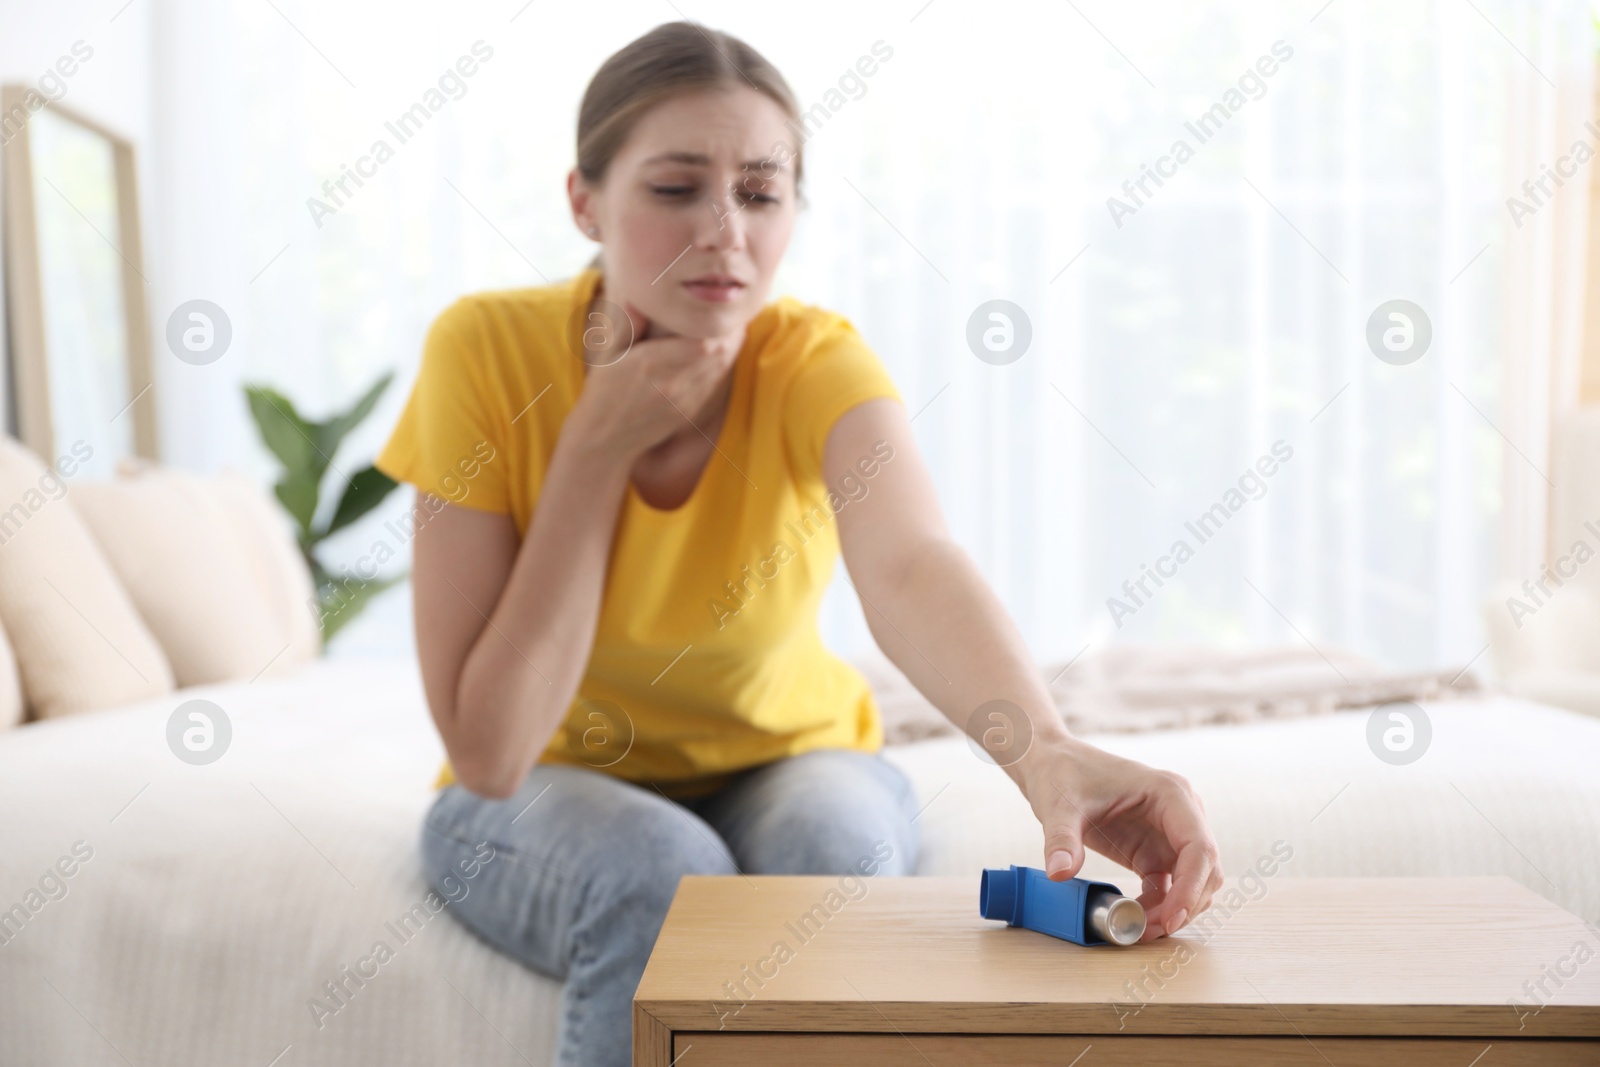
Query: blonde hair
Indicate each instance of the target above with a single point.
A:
(673, 58)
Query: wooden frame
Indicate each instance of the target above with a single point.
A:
(28, 347)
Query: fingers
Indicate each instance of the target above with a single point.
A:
(1153, 890)
(1188, 881)
(1063, 851)
(1195, 878)
(1213, 884)
(1180, 863)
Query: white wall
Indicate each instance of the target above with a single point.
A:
(160, 74)
(112, 86)
(1192, 336)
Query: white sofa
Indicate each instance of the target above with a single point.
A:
(218, 900)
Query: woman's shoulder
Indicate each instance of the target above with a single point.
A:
(796, 331)
(511, 322)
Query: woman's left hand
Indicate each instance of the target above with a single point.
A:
(936, 618)
(1147, 820)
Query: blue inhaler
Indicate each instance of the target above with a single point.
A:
(1085, 913)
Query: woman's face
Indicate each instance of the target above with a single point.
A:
(695, 210)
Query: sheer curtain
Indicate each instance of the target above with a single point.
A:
(1198, 371)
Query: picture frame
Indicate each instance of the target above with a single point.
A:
(77, 305)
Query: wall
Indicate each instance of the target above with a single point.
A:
(112, 86)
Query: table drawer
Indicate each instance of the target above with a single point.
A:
(722, 1049)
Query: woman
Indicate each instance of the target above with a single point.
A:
(621, 557)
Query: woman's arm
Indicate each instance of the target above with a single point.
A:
(935, 617)
(504, 632)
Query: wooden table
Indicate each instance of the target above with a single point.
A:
(884, 972)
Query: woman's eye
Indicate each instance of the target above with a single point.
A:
(676, 192)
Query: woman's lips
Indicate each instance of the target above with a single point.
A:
(715, 291)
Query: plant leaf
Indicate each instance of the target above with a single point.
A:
(343, 599)
(297, 492)
(319, 574)
(285, 433)
(366, 491)
(330, 434)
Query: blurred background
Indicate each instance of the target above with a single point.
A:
(1178, 332)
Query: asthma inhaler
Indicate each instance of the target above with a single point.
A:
(1083, 912)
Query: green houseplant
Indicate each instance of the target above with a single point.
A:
(306, 449)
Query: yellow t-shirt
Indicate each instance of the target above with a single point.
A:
(707, 659)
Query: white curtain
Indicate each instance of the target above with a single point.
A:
(1340, 156)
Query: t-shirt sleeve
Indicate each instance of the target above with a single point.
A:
(839, 372)
(449, 429)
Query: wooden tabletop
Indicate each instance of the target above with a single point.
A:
(1347, 956)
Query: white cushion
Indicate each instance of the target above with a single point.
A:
(1575, 501)
(80, 643)
(1573, 690)
(211, 568)
(1531, 634)
(291, 596)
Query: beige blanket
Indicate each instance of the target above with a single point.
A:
(1138, 688)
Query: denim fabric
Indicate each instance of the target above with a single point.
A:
(586, 865)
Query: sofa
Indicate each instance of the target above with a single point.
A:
(216, 902)
(157, 909)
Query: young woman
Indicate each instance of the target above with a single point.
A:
(632, 489)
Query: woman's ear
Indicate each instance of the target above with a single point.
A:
(582, 200)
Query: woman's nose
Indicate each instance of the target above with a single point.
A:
(721, 227)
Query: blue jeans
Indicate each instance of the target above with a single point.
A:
(585, 865)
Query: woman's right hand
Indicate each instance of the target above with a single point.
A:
(641, 385)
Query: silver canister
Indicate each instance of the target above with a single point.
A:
(1116, 918)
